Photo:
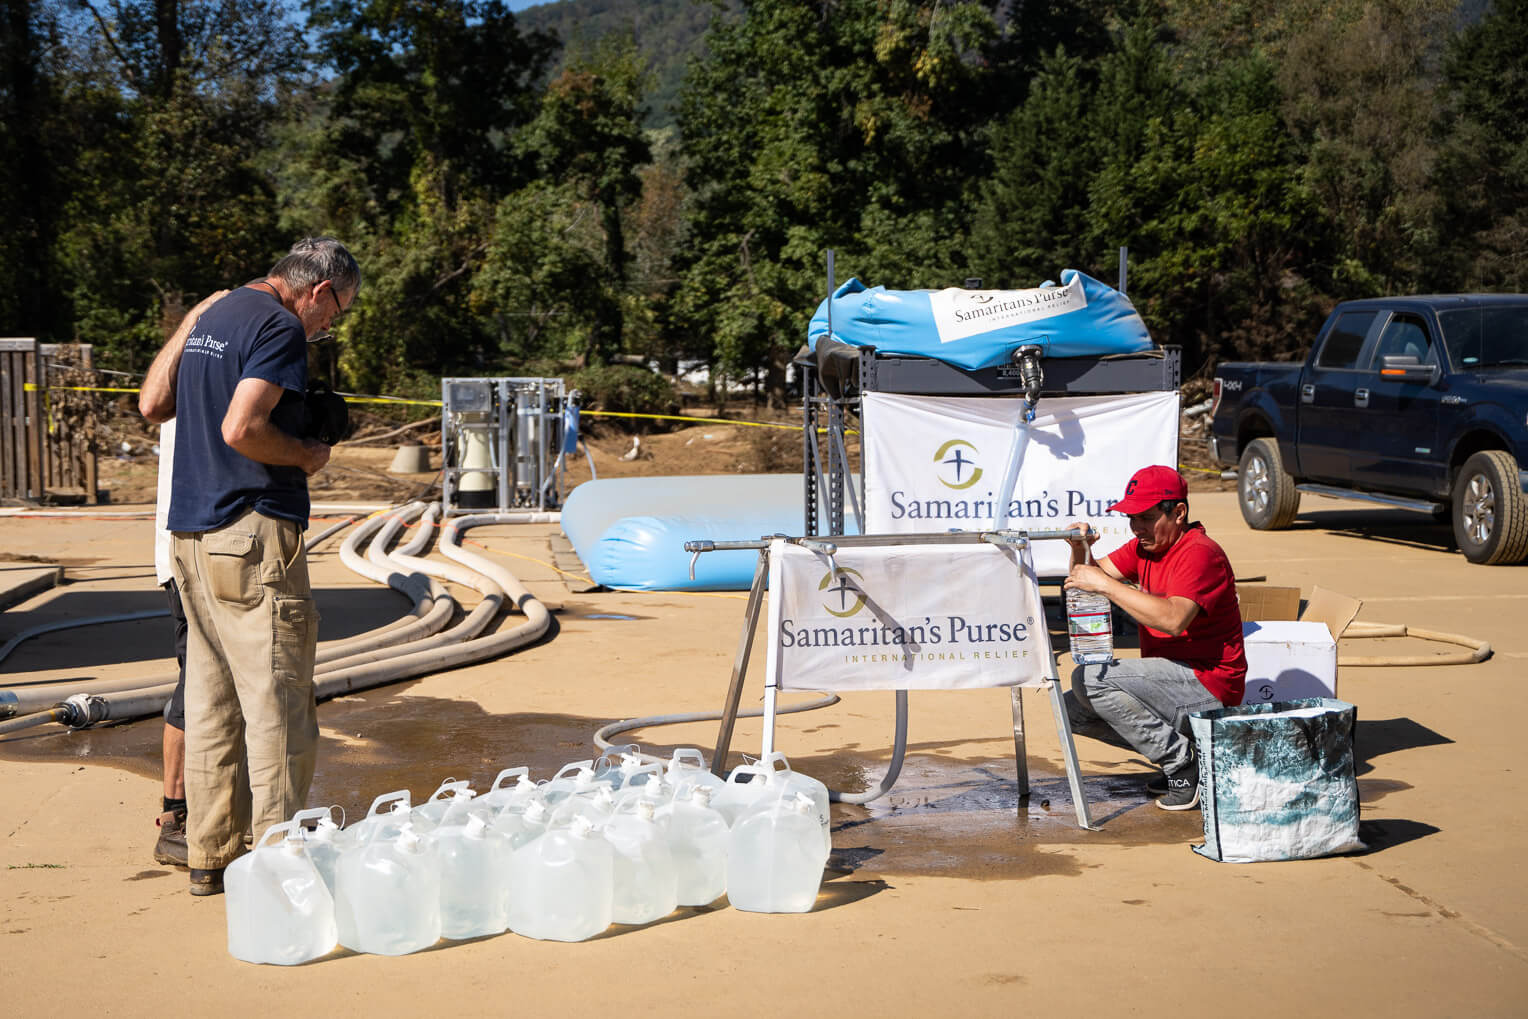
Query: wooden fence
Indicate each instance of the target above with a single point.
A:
(46, 455)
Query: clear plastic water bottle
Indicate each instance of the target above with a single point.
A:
(775, 856)
(1090, 625)
(279, 910)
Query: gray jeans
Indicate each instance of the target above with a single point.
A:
(1146, 701)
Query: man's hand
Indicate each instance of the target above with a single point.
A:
(1088, 578)
(317, 455)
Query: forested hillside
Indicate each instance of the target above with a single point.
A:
(515, 214)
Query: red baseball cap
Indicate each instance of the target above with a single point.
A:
(1149, 486)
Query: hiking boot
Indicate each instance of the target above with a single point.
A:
(1182, 788)
(207, 882)
(171, 847)
(1156, 785)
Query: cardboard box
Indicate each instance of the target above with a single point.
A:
(1262, 601)
(1288, 658)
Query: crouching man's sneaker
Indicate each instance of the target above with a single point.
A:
(171, 847)
(1182, 788)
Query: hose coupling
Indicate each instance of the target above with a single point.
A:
(1031, 375)
(9, 704)
(82, 710)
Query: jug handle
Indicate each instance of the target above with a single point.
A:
(573, 767)
(746, 769)
(507, 774)
(449, 785)
(687, 753)
(318, 814)
(376, 804)
(284, 826)
(770, 760)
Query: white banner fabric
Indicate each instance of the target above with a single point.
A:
(908, 617)
(934, 463)
(961, 313)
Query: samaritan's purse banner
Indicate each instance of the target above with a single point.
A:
(934, 463)
(908, 617)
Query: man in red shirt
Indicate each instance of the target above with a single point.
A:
(1178, 586)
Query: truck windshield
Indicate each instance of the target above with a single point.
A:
(1487, 337)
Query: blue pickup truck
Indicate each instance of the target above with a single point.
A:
(1417, 402)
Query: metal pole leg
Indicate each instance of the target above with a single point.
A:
(740, 664)
(1020, 753)
(1068, 748)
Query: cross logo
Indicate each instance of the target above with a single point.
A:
(953, 460)
(848, 594)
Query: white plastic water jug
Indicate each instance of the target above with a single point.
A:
(687, 769)
(646, 877)
(649, 784)
(500, 795)
(597, 804)
(379, 821)
(570, 780)
(746, 785)
(561, 885)
(775, 857)
(389, 894)
(522, 826)
(473, 871)
(431, 813)
(791, 781)
(278, 908)
(325, 842)
(698, 838)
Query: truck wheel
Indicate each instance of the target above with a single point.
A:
(1490, 509)
(1267, 494)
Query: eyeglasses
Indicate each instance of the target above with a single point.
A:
(339, 311)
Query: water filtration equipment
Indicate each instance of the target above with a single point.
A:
(504, 442)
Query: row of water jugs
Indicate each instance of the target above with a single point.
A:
(623, 840)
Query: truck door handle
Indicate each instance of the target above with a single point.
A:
(1308, 393)
(1360, 397)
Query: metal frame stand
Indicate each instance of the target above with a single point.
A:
(1016, 539)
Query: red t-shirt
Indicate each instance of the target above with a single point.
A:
(1195, 568)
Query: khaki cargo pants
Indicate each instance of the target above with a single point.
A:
(251, 717)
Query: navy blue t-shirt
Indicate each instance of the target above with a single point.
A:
(246, 335)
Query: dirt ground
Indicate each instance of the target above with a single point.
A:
(948, 897)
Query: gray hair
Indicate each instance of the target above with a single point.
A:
(315, 259)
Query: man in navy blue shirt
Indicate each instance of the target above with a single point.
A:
(238, 507)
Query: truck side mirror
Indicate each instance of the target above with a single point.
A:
(1409, 367)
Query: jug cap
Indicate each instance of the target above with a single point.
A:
(701, 794)
(409, 840)
(646, 809)
(476, 825)
(801, 803)
(536, 811)
(581, 826)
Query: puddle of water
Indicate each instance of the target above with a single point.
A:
(946, 815)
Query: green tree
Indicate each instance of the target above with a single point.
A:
(857, 125)
(406, 154)
(1482, 170)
